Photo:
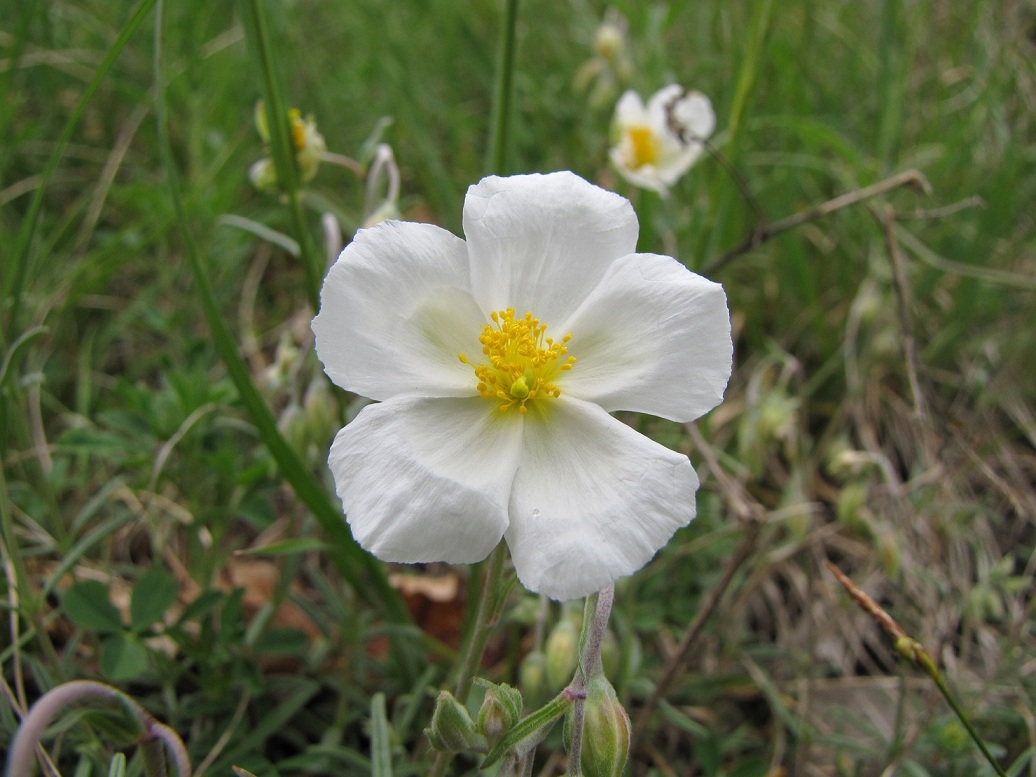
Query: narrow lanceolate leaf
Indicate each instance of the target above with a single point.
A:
(381, 738)
(547, 715)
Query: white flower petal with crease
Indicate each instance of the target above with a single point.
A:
(427, 479)
(395, 310)
(654, 338)
(542, 242)
(593, 500)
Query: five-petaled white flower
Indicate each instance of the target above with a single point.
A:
(655, 145)
(496, 362)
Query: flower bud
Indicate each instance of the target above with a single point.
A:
(532, 677)
(263, 175)
(321, 412)
(562, 651)
(611, 654)
(500, 711)
(452, 729)
(606, 731)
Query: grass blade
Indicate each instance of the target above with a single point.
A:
(351, 560)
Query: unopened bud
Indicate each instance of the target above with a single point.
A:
(500, 711)
(606, 731)
(562, 650)
(532, 677)
(452, 729)
(319, 407)
(263, 175)
(611, 654)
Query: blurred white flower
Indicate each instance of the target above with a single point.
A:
(496, 362)
(656, 144)
(306, 140)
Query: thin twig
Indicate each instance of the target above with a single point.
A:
(924, 214)
(765, 232)
(901, 288)
(912, 650)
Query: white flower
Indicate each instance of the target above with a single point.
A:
(493, 422)
(657, 144)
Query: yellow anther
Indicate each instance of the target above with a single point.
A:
(521, 362)
(645, 146)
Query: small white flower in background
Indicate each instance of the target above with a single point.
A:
(495, 362)
(308, 143)
(383, 175)
(656, 144)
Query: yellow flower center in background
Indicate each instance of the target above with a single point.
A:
(298, 129)
(645, 146)
(522, 362)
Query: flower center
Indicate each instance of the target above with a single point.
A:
(298, 129)
(522, 363)
(645, 146)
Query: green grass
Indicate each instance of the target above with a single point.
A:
(128, 445)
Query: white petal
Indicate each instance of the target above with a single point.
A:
(540, 243)
(694, 117)
(427, 479)
(652, 337)
(677, 160)
(593, 500)
(630, 111)
(396, 311)
(645, 176)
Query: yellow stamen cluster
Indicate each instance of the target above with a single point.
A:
(645, 146)
(298, 129)
(522, 361)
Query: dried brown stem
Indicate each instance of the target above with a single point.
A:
(902, 290)
(762, 233)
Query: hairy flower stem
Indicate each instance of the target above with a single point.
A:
(152, 734)
(595, 624)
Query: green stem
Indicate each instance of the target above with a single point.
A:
(647, 201)
(595, 623)
(936, 676)
(281, 145)
(487, 613)
(488, 604)
(503, 94)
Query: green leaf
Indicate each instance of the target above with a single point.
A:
(88, 605)
(118, 766)
(154, 593)
(381, 739)
(283, 642)
(123, 657)
(531, 726)
(288, 547)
